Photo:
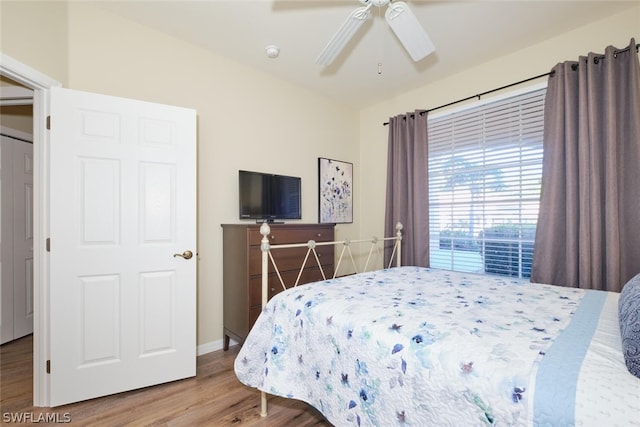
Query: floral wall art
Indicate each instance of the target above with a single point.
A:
(335, 179)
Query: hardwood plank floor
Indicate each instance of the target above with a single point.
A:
(214, 397)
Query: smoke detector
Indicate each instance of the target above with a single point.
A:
(272, 51)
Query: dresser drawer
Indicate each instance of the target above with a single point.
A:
(283, 236)
(254, 312)
(242, 268)
(289, 258)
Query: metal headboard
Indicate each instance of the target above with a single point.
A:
(311, 246)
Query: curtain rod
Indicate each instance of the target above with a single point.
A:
(550, 73)
(483, 93)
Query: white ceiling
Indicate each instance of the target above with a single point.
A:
(465, 33)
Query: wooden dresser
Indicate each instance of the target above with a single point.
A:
(242, 268)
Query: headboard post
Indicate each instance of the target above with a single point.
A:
(398, 241)
(264, 247)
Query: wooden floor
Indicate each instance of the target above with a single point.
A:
(213, 398)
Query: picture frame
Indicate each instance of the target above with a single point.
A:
(335, 191)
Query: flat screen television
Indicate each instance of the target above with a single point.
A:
(269, 197)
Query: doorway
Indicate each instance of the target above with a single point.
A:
(158, 156)
(38, 84)
(16, 231)
(16, 235)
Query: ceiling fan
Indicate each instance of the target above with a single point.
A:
(402, 21)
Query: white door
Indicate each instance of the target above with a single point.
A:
(22, 239)
(6, 239)
(17, 239)
(122, 212)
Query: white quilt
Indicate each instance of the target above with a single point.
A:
(411, 346)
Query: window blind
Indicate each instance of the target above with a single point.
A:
(485, 169)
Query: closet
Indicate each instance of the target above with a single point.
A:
(16, 237)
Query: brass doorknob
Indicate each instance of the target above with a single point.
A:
(185, 255)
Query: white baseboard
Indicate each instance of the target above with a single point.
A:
(212, 346)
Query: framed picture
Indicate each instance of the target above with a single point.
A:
(335, 192)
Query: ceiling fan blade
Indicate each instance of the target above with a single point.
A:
(407, 28)
(344, 34)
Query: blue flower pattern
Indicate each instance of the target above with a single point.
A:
(413, 345)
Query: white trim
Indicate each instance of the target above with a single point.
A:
(15, 95)
(25, 75)
(14, 133)
(483, 101)
(212, 346)
(40, 84)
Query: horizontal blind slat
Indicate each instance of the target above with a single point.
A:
(485, 169)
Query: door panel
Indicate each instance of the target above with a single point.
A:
(23, 238)
(157, 313)
(100, 199)
(123, 203)
(17, 239)
(6, 239)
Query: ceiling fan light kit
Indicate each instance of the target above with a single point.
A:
(399, 17)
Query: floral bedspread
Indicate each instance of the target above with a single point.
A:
(409, 346)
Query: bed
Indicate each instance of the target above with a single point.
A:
(415, 346)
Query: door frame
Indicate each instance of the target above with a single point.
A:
(40, 83)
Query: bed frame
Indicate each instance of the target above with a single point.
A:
(266, 248)
(564, 366)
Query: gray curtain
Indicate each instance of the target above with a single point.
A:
(588, 232)
(408, 187)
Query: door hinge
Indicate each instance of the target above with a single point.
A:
(48, 244)
(49, 122)
(48, 366)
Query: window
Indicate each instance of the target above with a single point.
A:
(485, 168)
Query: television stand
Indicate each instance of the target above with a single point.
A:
(268, 221)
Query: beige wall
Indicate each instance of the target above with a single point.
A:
(249, 120)
(616, 30)
(18, 117)
(35, 33)
(246, 119)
